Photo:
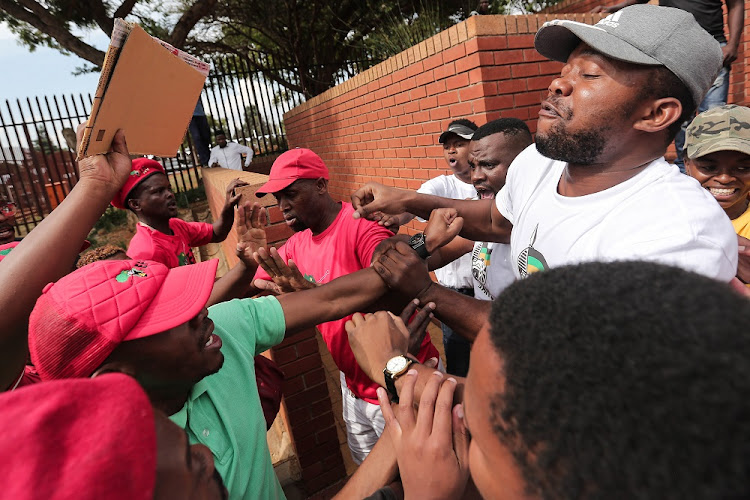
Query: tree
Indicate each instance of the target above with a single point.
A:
(304, 45)
(43, 142)
(53, 23)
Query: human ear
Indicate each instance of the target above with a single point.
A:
(658, 115)
(134, 204)
(321, 184)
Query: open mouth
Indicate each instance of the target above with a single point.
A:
(452, 162)
(548, 111)
(485, 194)
(723, 193)
(213, 342)
(290, 220)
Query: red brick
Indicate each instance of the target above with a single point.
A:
(493, 103)
(523, 70)
(492, 42)
(307, 397)
(307, 347)
(447, 98)
(508, 56)
(278, 232)
(428, 102)
(300, 416)
(301, 366)
(275, 215)
(418, 93)
(285, 355)
(436, 87)
(424, 78)
(458, 81)
(408, 84)
(454, 53)
(527, 98)
(532, 55)
(292, 386)
(520, 41)
(538, 83)
(461, 109)
(439, 114)
(433, 61)
(495, 73)
(474, 61)
(444, 71)
(511, 86)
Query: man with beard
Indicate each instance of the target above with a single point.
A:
(329, 243)
(596, 185)
(161, 235)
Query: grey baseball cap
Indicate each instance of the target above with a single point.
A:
(725, 128)
(642, 34)
(458, 129)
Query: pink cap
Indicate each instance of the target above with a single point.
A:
(84, 439)
(299, 163)
(81, 319)
(142, 168)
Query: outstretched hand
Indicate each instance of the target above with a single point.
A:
(376, 338)
(432, 444)
(285, 277)
(443, 226)
(110, 170)
(233, 198)
(374, 197)
(251, 235)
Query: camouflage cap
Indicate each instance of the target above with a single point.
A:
(725, 128)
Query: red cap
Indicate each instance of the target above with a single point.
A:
(81, 319)
(142, 168)
(299, 163)
(85, 439)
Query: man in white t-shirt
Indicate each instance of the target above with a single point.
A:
(455, 275)
(596, 185)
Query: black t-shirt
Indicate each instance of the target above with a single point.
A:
(708, 13)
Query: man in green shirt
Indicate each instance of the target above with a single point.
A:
(196, 364)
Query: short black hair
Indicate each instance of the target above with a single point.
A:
(624, 380)
(507, 126)
(663, 83)
(219, 132)
(464, 122)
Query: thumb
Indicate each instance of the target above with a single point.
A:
(268, 286)
(431, 363)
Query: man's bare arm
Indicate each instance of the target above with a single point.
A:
(378, 470)
(482, 220)
(341, 297)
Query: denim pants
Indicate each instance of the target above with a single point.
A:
(457, 348)
(717, 96)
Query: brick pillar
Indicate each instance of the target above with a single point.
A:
(307, 409)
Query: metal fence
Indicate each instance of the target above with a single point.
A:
(37, 135)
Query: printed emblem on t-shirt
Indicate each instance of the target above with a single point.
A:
(5, 251)
(530, 260)
(480, 261)
(310, 278)
(186, 258)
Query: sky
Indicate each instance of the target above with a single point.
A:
(44, 71)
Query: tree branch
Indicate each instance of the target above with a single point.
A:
(124, 9)
(37, 16)
(188, 20)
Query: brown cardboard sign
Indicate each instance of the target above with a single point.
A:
(146, 90)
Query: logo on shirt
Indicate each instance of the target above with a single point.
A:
(480, 261)
(124, 275)
(310, 278)
(5, 251)
(531, 260)
(186, 258)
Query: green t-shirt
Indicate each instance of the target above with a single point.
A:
(223, 410)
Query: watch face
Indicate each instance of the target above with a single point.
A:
(397, 364)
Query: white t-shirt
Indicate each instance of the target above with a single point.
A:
(492, 268)
(456, 274)
(659, 215)
(231, 156)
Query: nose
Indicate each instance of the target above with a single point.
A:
(284, 205)
(725, 178)
(560, 86)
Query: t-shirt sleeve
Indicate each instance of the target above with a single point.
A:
(370, 234)
(198, 233)
(284, 253)
(436, 187)
(257, 324)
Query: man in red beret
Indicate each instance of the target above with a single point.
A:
(161, 235)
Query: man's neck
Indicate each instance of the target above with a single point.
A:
(169, 401)
(464, 177)
(160, 224)
(737, 210)
(330, 212)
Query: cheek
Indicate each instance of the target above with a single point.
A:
(479, 472)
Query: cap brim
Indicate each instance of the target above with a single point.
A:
(728, 144)
(444, 136)
(181, 297)
(274, 186)
(557, 39)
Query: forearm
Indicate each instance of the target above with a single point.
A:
(44, 256)
(446, 254)
(224, 224)
(235, 284)
(464, 315)
(735, 21)
(341, 297)
(378, 470)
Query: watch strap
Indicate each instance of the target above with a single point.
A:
(390, 380)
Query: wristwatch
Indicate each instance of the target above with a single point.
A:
(418, 243)
(394, 368)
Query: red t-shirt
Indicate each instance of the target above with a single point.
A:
(174, 250)
(346, 246)
(6, 249)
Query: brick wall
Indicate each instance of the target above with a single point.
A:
(307, 409)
